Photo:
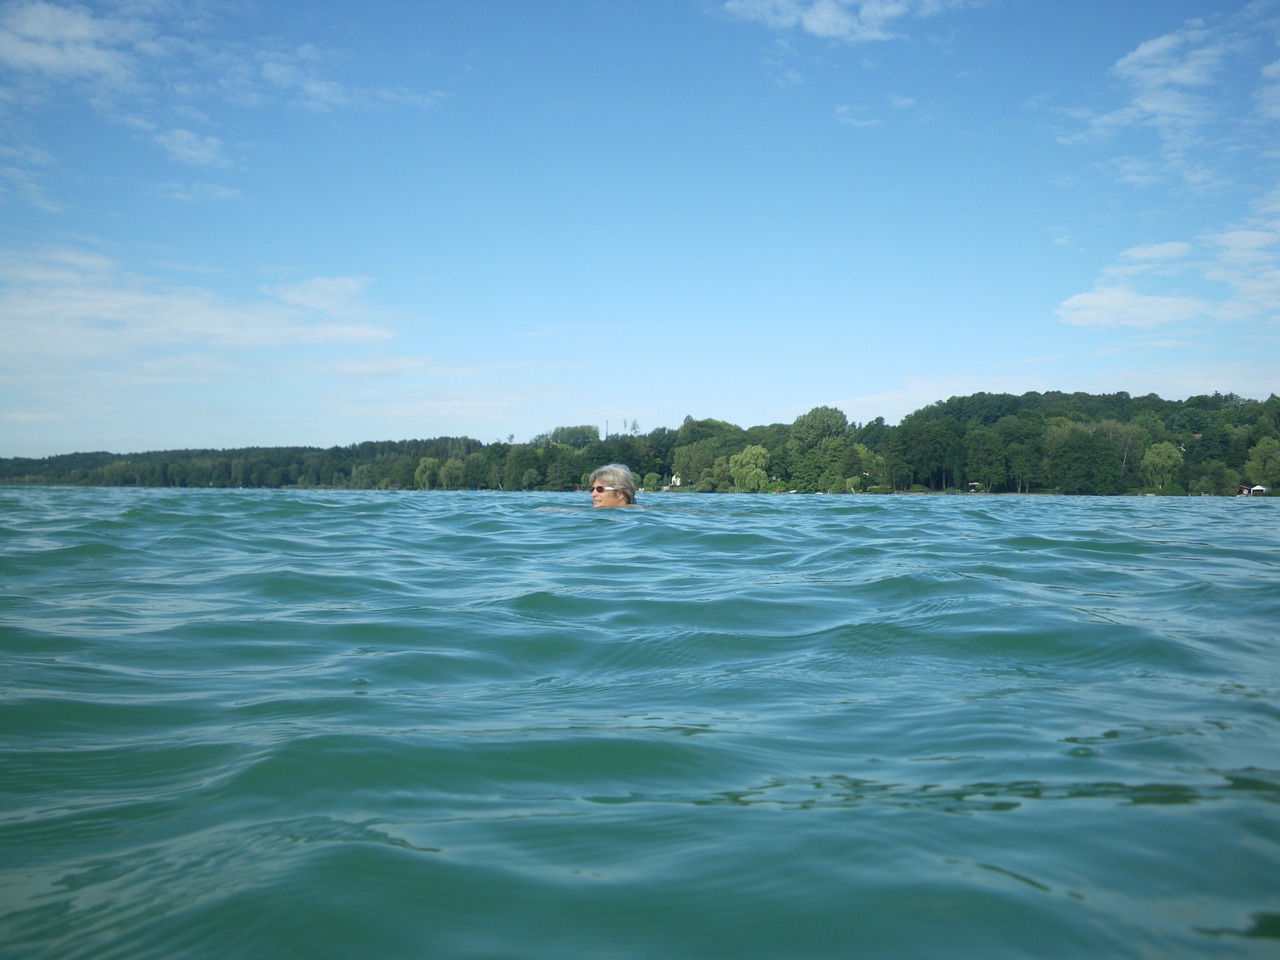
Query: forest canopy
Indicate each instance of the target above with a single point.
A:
(1070, 443)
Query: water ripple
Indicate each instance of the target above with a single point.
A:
(296, 723)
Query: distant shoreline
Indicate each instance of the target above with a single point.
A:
(1035, 443)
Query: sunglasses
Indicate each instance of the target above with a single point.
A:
(600, 489)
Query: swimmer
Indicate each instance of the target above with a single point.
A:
(613, 486)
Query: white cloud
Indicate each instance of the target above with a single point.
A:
(1183, 91)
(850, 117)
(1158, 251)
(145, 65)
(301, 75)
(1123, 307)
(853, 21)
(1246, 246)
(65, 43)
(1248, 263)
(149, 51)
(97, 357)
(66, 304)
(829, 18)
(1236, 269)
(23, 172)
(335, 296)
(380, 368)
(1195, 92)
(192, 149)
(298, 74)
(198, 192)
(1268, 95)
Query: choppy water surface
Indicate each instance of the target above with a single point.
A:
(313, 724)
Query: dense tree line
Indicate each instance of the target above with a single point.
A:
(1037, 442)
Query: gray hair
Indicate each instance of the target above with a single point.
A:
(618, 476)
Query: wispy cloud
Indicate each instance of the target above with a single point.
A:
(1198, 92)
(62, 306)
(328, 296)
(778, 60)
(1173, 250)
(197, 192)
(192, 149)
(382, 367)
(24, 171)
(851, 116)
(1197, 105)
(301, 74)
(1268, 93)
(148, 357)
(163, 71)
(1235, 272)
(839, 21)
(1115, 306)
(144, 52)
(68, 43)
(851, 21)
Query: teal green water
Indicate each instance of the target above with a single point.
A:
(314, 724)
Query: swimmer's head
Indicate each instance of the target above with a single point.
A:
(613, 486)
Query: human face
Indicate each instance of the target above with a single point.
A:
(603, 495)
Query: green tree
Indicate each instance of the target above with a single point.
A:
(717, 479)
(1212, 443)
(874, 434)
(986, 463)
(1126, 444)
(750, 469)
(575, 437)
(428, 473)
(403, 473)
(119, 474)
(1104, 462)
(362, 477)
(452, 474)
(562, 473)
(476, 473)
(722, 480)
(1213, 478)
(520, 461)
(928, 450)
(816, 448)
(947, 452)
(1069, 457)
(1161, 465)
(864, 468)
(1023, 438)
(1150, 426)
(691, 431)
(820, 423)
(695, 461)
(1263, 465)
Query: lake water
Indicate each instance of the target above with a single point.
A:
(359, 724)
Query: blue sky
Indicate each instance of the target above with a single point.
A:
(234, 223)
